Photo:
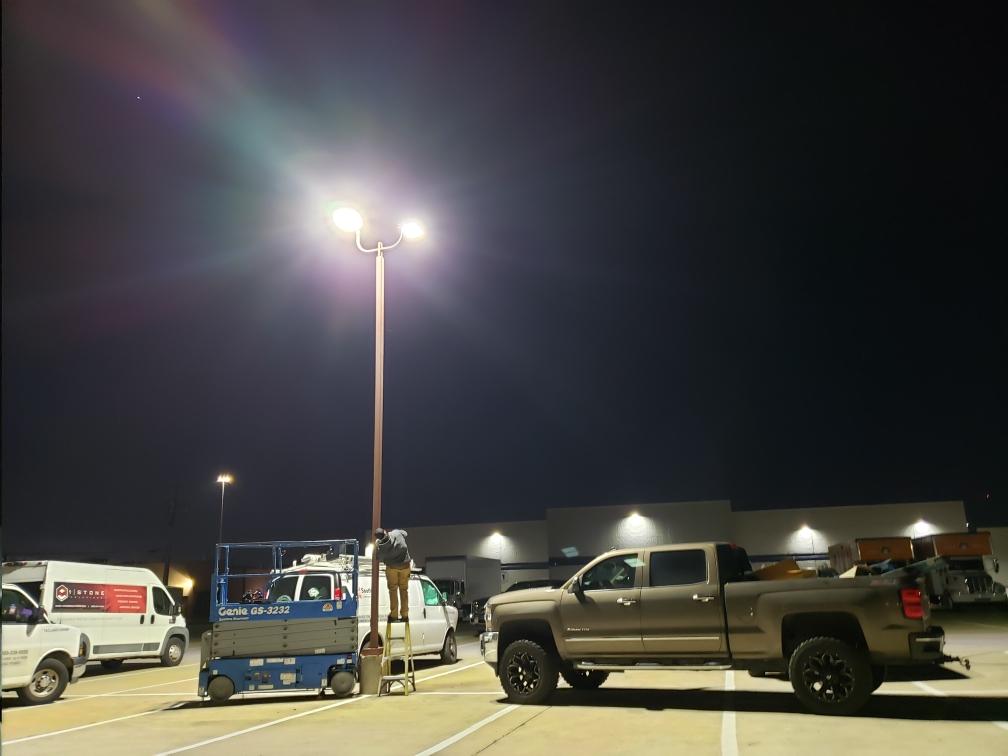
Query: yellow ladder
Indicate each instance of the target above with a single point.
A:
(400, 647)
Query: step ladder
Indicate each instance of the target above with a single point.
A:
(397, 647)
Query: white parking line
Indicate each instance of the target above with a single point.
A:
(942, 694)
(75, 697)
(467, 731)
(263, 725)
(729, 740)
(120, 675)
(459, 693)
(450, 671)
(80, 727)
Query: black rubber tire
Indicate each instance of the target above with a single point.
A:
(528, 672)
(220, 689)
(584, 679)
(342, 683)
(112, 663)
(51, 674)
(449, 651)
(173, 652)
(878, 673)
(843, 673)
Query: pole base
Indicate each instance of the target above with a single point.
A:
(370, 674)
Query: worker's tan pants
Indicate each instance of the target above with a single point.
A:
(398, 589)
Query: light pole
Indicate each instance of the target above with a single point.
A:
(349, 220)
(225, 480)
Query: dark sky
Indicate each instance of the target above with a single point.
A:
(723, 251)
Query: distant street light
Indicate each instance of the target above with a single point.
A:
(349, 220)
(225, 480)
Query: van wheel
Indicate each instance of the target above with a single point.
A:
(528, 673)
(584, 679)
(47, 684)
(220, 689)
(111, 663)
(449, 651)
(830, 676)
(173, 651)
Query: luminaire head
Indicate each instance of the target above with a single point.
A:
(224, 479)
(347, 219)
(411, 229)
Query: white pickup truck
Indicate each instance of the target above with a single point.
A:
(39, 658)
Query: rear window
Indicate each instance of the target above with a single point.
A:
(283, 589)
(678, 567)
(316, 588)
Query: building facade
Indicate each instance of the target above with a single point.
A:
(571, 536)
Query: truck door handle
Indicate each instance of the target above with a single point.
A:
(152, 619)
(705, 599)
(626, 601)
(142, 618)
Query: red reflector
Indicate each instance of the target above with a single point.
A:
(913, 604)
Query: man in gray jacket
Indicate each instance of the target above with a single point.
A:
(392, 551)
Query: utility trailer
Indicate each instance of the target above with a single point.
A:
(302, 636)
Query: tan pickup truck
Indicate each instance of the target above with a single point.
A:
(698, 606)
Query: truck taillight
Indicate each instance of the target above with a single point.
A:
(913, 603)
(343, 595)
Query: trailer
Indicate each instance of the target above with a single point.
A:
(472, 577)
(294, 635)
(897, 550)
(963, 568)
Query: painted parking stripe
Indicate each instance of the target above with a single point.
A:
(451, 671)
(75, 697)
(263, 725)
(942, 694)
(119, 675)
(78, 728)
(467, 731)
(729, 740)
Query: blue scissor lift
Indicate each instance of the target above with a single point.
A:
(291, 644)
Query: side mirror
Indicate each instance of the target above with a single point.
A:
(576, 588)
(36, 615)
(176, 610)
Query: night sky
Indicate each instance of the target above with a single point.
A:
(742, 252)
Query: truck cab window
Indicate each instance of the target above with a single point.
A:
(617, 572)
(678, 567)
(162, 603)
(16, 608)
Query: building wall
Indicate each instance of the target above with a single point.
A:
(999, 542)
(811, 531)
(519, 543)
(557, 546)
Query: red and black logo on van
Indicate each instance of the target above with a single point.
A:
(62, 592)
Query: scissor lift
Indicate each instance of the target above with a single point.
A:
(291, 645)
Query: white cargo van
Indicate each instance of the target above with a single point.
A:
(126, 612)
(432, 620)
(39, 658)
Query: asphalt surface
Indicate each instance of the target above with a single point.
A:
(459, 709)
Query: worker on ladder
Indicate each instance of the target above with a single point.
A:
(394, 554)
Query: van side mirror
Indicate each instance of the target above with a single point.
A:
(176, 610)
(36, 615)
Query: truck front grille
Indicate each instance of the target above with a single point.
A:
(979, 584)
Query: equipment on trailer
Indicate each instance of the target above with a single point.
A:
(397, 648)
(295, 629)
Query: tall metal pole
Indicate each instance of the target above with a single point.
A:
(220, 527)
(379, 413)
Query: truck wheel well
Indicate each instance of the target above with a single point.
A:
(796, 628)
(533, 630)
(63, 658)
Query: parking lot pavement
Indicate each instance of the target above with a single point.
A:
(460, 709)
